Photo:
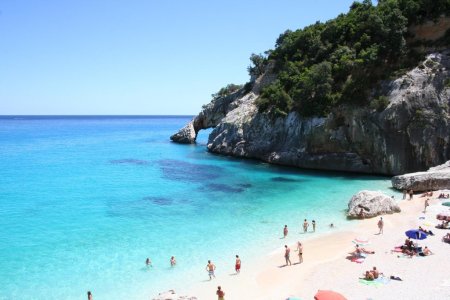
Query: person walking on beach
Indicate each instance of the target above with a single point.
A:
(210, 267)
(285, 231)
(287, 254)
(220, 294)
(380, 225)
(404, 194)
(173, 261)
(89, 295)
(411, 194)
(300, 252)
(305, 226)
(314, 225)
(427, 203)
(237, 266)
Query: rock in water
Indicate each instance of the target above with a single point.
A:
(373, 204)
(185, 135)
(436, 178)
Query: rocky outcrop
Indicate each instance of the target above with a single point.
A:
(171, 295)
(211, 114)
(372, 204)
(411, 133)
(436, 178)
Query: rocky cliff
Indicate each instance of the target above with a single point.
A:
(436, 178)
(411, 133)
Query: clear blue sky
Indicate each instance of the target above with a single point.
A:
(136, 56)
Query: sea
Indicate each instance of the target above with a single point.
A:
(84, 200)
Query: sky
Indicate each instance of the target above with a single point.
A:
(136, 57)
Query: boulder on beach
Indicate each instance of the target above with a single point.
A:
(172, 295)
(372, 203)
(436, 178)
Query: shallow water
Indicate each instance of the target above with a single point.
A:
(85, 200)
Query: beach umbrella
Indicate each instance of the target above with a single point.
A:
(416, 234)
(328, 295)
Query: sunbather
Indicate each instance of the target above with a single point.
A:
(425, 252)
(359, 250)
(369, 276)
(446, 238)
(375, 273)
(426, 231)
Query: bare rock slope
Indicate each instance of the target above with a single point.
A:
(412, 133)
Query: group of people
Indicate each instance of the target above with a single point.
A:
(410, 193)
(173, 262)
(444, 196)
(409, 249)
(305, 227)
(287, 253)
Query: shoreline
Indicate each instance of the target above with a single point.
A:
(325, 265)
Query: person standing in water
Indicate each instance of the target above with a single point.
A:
(148, 262)
(305, 226)
(220, 294)
(287, 254)
(89, 295)
(285, 231)
(210, 267)
(237, 266)
(314, 225)
(173, 261)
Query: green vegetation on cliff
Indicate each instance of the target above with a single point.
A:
(343, 59)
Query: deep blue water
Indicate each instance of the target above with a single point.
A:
(84, 200)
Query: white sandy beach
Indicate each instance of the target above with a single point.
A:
(325, 264)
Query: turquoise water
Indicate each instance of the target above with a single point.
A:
(84, 201)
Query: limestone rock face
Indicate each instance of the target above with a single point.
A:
(185, 135)
(412, 133)
(372, 203)
(436, 178)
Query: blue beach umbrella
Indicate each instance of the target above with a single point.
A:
(416, 234)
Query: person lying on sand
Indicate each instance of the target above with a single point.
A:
(425, 252)
(443, 225)
(427, 194)
(359, 250)
(429, 232)
(408, 252)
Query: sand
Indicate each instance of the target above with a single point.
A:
(326, 265)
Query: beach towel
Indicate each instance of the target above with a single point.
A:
(370, 282)
(376, 282)
(358, 260)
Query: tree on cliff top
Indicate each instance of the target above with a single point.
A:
(341, 60)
